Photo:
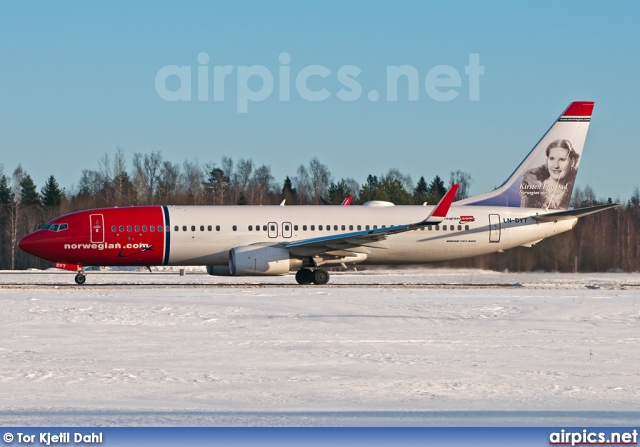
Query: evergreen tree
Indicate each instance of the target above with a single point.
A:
(242, 200)
(369, 189)
(436, 190)
(391, 189)
(6, 195)
(288, 188)
(338, 191)
(421, 192)
(51, 194)
(216, 185)
(28, 193)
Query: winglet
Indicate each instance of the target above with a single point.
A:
(442, 208)
(347, 201)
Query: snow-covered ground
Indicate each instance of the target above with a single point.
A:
(431, 347)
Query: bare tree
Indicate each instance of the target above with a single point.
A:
(261, 185)
(168, 182)
(244, 168)
(120, 177)
(463, 179)
(145, 174)
(192, 176)
(302, 184)
(320, 177)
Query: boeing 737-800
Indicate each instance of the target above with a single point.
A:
(273, 240)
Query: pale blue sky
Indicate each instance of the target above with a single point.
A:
(77, 79)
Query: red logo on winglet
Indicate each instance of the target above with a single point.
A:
(579, 108)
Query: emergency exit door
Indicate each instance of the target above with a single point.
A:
(494, 228)
(97, 228)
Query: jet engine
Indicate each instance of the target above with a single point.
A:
(257, 260)
(218, 270)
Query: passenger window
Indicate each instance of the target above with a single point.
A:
(209, 228)
(184, 228)
(234, 228)
(286, 227)
(343, 227)
(319, 227)
(313, 228)
(367, 227)
(335, 228)
(176, 228)
(128, 227)
(384, 226)
(113, 229)
(257, 227)
(264, 228)
(137, 228)
(466, 227)
(350, 227)
(359, 227)
(152, 228)
(375, 227)
(144, 228)
(304, 228)
(160, 228)
(193, 228)
(217, 227)
(437, 227)
(273, 228)
(121, 228)
(430, 228)
(201, 227)
(250, 227)
(295, 228)
(459, 227)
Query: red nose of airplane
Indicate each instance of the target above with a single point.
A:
(31, 244)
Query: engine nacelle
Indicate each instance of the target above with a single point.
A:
(218, 270)
(256, 260)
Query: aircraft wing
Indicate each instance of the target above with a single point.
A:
(369, 238)
(570, 214)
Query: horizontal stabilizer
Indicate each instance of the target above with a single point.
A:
(570, 214)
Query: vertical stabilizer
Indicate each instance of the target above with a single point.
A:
(546, 177)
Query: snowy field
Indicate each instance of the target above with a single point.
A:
(386, 347)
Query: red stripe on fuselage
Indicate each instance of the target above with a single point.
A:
(126, 232)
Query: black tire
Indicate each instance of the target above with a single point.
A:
(304, 276)
(80, 278)
(320, 277)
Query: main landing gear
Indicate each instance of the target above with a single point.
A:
(317, 276)
(80, 278)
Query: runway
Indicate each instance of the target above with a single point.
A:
(396, 348)
(390, 278)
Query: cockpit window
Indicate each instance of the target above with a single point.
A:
(55, 227)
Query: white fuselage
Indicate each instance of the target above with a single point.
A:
(211, 231)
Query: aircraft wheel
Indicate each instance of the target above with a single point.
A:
(320, 277)
(80, 278)
(304, 276)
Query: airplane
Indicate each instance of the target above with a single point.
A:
(531, 205)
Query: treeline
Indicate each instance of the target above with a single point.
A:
(601, 242)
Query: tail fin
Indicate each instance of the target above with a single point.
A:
(545, 179)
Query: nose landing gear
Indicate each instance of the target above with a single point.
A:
(80, 278)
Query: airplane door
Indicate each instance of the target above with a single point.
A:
(273, 229)
(286, 229)
(97, 228)
(494, 228)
